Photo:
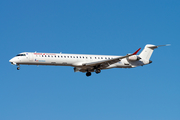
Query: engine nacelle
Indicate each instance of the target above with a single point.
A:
(133, 58)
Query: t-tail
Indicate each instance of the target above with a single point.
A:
(148, 50)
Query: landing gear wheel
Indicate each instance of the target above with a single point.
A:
(18, 68)
(98, 71)
(88, 74)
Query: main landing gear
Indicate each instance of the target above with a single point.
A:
(88, 74)
(98, 71)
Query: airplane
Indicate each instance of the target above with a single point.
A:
(86, 63)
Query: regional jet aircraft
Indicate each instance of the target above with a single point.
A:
(86, 63)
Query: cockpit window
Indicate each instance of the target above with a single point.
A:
(21, 55)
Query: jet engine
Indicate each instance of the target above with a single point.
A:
(133, 58)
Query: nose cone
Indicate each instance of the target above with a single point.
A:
(12, 61)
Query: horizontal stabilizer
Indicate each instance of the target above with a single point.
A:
(156, 46)
(163, 45)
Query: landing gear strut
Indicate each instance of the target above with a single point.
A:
(88, 74)
(98, 71)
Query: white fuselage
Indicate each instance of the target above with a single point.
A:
(74, 60)
(84, 62)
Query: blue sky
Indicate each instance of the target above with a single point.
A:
(104, 27)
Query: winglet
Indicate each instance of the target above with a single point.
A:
(136, 52)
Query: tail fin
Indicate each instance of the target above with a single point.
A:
(148, 50)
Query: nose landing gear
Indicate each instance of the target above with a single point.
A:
(18, 68)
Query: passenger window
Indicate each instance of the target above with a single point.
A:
(77, 56)
(64, 56)
(61, 56)
(101, 57)
(42, 55)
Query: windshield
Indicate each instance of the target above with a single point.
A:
(21, 55)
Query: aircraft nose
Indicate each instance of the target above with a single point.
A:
(12, 61)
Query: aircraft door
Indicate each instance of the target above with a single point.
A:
(31, 56)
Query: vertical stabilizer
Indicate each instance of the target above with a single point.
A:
(147, 51)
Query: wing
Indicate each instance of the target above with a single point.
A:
(105, 63)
